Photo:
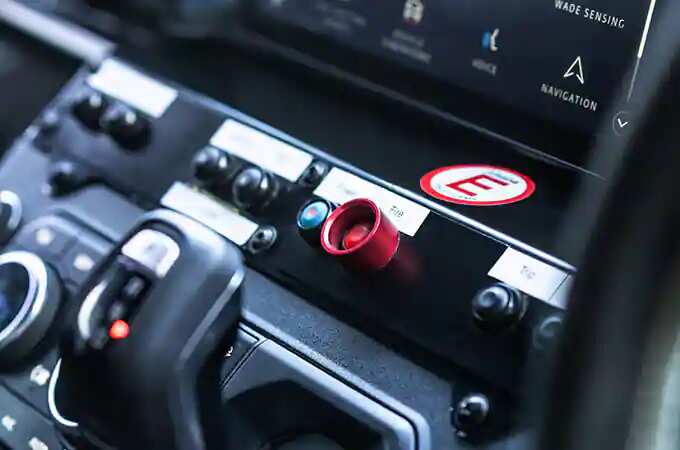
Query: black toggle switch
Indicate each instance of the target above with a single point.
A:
(547, 334)
(211, 166)
(253, 188)
(46, 128)
(498, 307)
(65, 177)
(89, 109)
(129, 128)
(471, 415)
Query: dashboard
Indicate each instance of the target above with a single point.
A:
(346, 221)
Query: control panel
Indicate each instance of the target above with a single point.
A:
(348, 241)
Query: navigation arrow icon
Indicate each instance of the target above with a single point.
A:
(576, 70)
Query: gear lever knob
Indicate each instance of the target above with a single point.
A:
(148, 336)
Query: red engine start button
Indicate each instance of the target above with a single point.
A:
(360, 235)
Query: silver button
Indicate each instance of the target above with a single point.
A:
(154, 250)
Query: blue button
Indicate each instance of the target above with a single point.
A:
(313, 215)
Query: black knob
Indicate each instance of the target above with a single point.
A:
(89, 109)
(211, 166)
(30, 294)
(46, 127)
(11, 212)
(548, 332)
(253, 188)
(64, 177)
(126, 126)
(471, 414)
(498, 307)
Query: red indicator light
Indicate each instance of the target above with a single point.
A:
(356, 235)
(119, 330)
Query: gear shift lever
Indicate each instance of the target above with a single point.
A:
(140, 365)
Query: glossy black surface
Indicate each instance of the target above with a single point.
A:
(30, 75)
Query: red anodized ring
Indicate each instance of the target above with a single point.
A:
(375, 250)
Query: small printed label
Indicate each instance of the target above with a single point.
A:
(261, 149)
(529, 275)
(140, 91)
(477, 185)
(340, 186)
(210, 213)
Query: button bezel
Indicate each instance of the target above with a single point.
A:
(16, 214)
(34, 300)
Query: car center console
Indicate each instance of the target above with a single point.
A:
(396, 298)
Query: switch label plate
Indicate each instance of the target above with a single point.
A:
(529, 275)
(262, 150)
(210, 213)
(132, 87)
(340, 187)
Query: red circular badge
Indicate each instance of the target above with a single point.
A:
(477, 185)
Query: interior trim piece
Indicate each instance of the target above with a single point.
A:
(271, 363)
(70, 38)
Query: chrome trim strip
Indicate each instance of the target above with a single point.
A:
(35, 297)
(55, 32)
(52, 398)
(87, 308)
(13, 200)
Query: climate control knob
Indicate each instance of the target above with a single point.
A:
(30, 294)
(360, 236)
(253, 188)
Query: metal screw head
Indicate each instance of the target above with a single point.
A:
(263, 239)
(314, 174)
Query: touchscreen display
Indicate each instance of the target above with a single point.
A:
(562, 61)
